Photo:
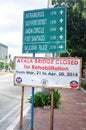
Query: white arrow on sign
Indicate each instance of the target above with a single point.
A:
(61, 29)
(61, 12)
(61, 47)
(61, 20)
(61, 37)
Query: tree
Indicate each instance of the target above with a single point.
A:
(76, 26)
(1, 65)
(11, 62)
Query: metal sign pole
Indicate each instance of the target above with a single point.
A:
(32, 110)
(52, 102)
(32, 107)
(52, 110)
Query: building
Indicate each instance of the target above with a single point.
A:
(3, 52)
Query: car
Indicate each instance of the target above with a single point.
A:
(2, 70)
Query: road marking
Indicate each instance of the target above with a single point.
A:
(27, 108)
(9, 114)
(10, 96)
(14, 124)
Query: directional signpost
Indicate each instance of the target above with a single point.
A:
(44, 31)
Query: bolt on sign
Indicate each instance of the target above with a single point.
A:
(44, 30)
(48, 72)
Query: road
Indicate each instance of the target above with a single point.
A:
(10, 101)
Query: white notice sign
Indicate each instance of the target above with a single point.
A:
(47, 72)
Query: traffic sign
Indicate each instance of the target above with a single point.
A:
(44, 30)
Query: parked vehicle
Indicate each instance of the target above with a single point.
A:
(2, 70)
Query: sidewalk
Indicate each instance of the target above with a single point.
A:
(71, 114)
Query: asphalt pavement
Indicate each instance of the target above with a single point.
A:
(10, 101)
(71, 114)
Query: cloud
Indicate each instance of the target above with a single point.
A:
(11, 21)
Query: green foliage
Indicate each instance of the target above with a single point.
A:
(44, 99)
(84, 86)
(11, 63)
(77, 53)
(41, 99)
(76, 30)
(84, 55)
(63, 55)
(6, 65)
(1, 65)
(76, 26)
(84, 64)
(57, 97)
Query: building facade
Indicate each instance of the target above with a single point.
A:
(3, 52)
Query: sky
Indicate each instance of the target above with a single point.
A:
(11, 22)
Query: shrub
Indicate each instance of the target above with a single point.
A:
(84, 86)
(57, 97)
(44, 99)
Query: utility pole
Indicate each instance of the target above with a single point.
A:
(49, 3)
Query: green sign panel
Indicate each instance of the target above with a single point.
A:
(44, 31)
